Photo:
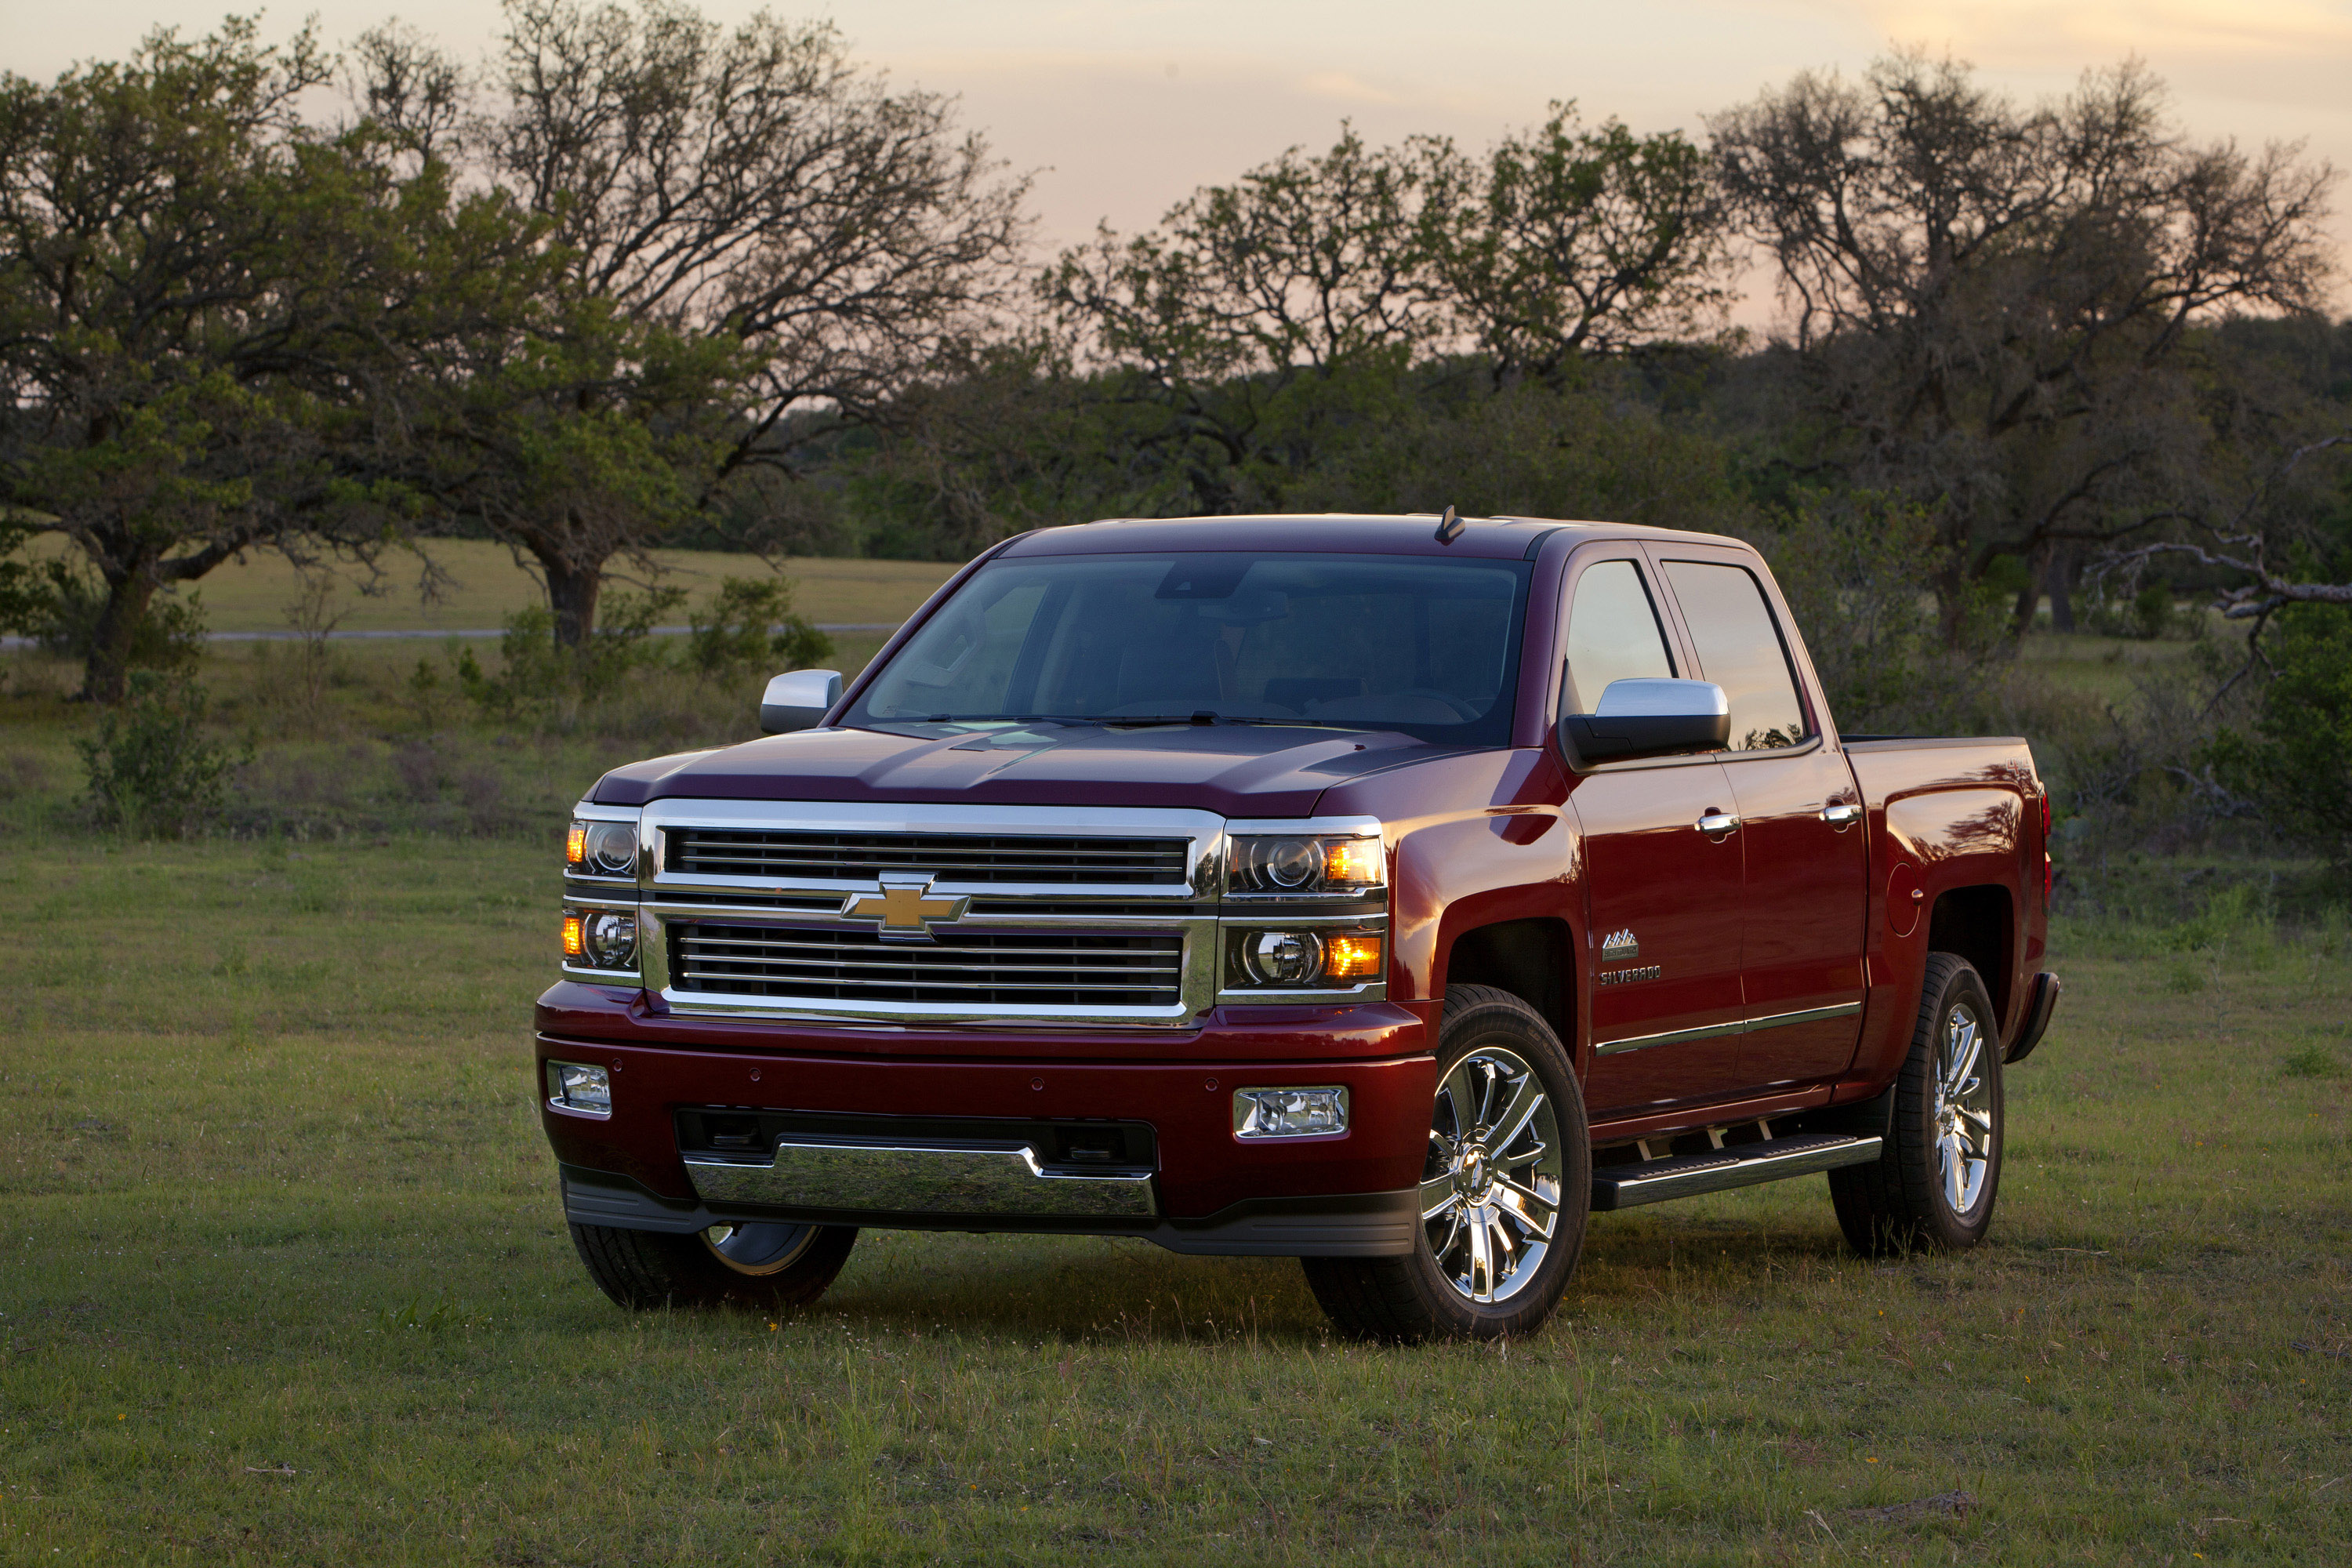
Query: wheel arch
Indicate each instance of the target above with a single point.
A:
(1532, 957)
(1977, 923)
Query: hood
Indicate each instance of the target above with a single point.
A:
(1235, 769)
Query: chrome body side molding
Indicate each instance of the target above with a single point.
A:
(1735, 1026)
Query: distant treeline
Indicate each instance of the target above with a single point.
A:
(638, 279)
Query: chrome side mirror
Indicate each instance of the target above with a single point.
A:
(1649, 718)
(798, 700)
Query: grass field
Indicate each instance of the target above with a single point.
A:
(483, 584)
(283, 1280)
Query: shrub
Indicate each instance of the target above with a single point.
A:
(151, 769)
(60, 609)
(2297, 762)
(538, 679)
(751, 623)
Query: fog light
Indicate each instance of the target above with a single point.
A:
(576, 1086)
(1290, 1112)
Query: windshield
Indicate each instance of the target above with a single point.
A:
(1427, 646)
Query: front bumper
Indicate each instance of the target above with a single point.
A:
(1202, 1190)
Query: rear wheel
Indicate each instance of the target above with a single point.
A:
(1932, 1187)
(771, 1266)
(1505, 1188)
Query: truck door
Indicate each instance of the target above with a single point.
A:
(1663, 896)
(1806, 866)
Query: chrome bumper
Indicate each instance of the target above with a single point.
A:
(911, 1179)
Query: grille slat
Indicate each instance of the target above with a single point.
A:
(970, 857)
(1119, 969)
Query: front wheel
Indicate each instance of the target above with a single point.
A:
(766, 1266)
(1506, 1189)
(1932, 1189)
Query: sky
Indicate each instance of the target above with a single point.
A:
(1121, 108)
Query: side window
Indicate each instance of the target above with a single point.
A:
(1613, 634)
(1732, 633)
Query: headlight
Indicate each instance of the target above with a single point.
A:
(601, 939)
(602, 849)
(1303, 960)
(1261, 865)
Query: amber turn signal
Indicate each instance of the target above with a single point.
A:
(575, 939)
(1351, 958)
(1351, 863)
(575, 846)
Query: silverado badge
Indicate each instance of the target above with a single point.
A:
(904, 909)
(1618, 946)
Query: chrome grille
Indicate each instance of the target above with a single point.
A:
(997, 858)
(1011, 969)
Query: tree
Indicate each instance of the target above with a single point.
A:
(745, 228)
(1268, 329)
(1566, 243)
(1257, 321)
(1988, 302)
(168, 233)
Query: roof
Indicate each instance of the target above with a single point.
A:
(1413, 533)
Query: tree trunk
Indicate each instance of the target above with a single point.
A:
(572, 591)
(2062, 590)
(2028, 598)
(1951, 585)
(106, 673)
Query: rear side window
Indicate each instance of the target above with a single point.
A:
(1740, 650)
(1613, 634)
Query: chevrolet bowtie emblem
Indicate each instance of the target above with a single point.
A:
(904, 907)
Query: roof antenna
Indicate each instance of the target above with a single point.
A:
(1449, 527)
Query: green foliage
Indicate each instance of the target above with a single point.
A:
(2312, 1061)
(66, 605)
(151, 770)
(21, 598)
(2297, 761)
(750, 624)
(1859, 570)
(543, 681)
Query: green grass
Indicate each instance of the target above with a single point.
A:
(481, 585)
(283, 1280)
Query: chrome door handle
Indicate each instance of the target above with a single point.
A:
(1719, 822)
(1841, 813)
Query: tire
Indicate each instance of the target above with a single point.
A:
(1933, 1188)
(1501, 1168)
(768, 1266)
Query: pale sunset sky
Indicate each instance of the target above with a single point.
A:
(1121, 107)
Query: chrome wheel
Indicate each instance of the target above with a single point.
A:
(757, 1250)
(1490, 1191)
(1963, 1114)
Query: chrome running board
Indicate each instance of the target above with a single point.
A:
(1739, 1165)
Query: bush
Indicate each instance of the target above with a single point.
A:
(2297, 762)
(541, 679)
(60, 607)
(1859, 571)
(751, 623)
(150, 770)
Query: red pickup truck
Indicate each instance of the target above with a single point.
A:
(1387, 892)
